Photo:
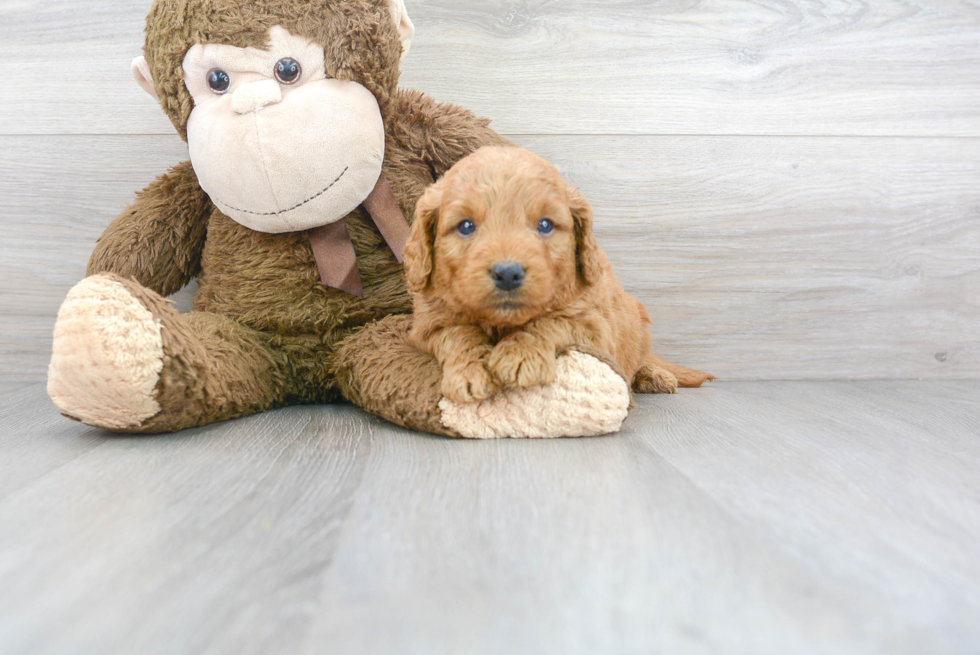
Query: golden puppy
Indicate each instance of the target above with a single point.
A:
(505, 272)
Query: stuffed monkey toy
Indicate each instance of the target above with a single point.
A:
(305, 160)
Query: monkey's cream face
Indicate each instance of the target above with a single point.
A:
(277, 145)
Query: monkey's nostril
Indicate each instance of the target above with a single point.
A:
(508, 275)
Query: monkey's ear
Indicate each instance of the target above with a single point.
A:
(419, 256)
(586, 248)
(142, 75)
(406, 28)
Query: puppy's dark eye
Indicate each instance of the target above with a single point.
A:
(466, 228)
(219, 81)
(545, 226)
(288, 71)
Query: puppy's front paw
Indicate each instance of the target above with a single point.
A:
(520, 363)
(467, 383)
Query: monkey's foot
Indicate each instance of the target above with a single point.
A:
(588, 398)
(108, 355)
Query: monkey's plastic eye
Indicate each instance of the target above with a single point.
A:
(288, 71)
(545, 227)
(466, 228)
(218, 81)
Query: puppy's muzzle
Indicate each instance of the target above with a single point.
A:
(508, 275)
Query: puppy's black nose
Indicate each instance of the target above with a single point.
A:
(507, 275)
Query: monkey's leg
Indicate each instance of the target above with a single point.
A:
(125, 360)
(379, 370)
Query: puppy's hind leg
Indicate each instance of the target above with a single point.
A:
(686, 377)
(654, 379)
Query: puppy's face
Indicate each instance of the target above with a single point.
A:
(499, 238)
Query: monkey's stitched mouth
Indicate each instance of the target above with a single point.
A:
(297, 206)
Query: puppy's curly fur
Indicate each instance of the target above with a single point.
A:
(486, 335)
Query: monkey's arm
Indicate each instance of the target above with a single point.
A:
(442, 132)
(158, 239)
(456, 133)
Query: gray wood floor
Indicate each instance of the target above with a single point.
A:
(750, 517)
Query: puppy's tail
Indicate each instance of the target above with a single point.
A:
(686, 377)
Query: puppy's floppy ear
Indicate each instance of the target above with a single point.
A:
(418, 251)
(586, 249)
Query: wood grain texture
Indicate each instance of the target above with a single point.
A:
(758, 258)
(239, 522)
(57, 195)
(863, 446)
(896, 67)
(743, 518)
(794, 258)
(26, 457)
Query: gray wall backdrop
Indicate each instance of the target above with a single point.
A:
(792, 188)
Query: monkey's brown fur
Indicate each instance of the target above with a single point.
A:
(265, 332)
(360, 41)
(485, 337)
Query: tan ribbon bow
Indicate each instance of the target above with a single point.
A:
(334, 252)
